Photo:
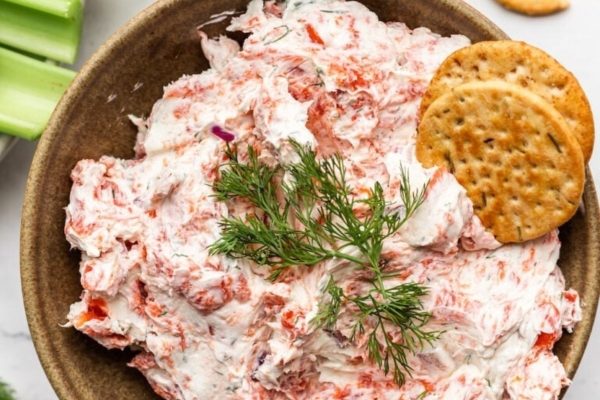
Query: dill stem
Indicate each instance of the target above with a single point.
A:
(344, 256)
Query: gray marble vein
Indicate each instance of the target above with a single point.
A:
(21, 335)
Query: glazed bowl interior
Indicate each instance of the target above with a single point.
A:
(126, 76)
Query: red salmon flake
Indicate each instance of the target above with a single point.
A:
(313, 35)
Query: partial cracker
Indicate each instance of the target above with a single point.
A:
(513, 153)
(536, 7)
(526, 66)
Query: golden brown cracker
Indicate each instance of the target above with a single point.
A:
(535, 7)
(513, 153)
(524, 65)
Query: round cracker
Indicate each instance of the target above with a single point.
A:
(524, 65)
(513, 153)
(535, 7)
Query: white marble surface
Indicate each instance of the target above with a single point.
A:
(571, 36)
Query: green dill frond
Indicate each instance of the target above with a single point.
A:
(401, 307)
(310, 218)
(329, 310)
(411, 200)
(271, 239)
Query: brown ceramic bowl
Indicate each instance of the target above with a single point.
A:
(155, 48)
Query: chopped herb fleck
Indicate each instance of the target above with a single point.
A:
(450, 162)
(287, 31)
(554, 142)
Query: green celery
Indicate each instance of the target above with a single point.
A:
(40, 33)
(60, 8)
(6, 392)
(29, 91)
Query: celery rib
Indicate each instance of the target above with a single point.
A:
(29, 91)
(39, 32)
(6, 393)
(60, 8)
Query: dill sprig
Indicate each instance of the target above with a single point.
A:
(399, 306)
(314, 218)
(329, 311)
(269, 237)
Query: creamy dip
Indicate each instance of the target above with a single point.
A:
(330, 75)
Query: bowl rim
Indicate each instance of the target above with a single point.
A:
(61, 383)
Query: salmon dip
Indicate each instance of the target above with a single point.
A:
(330, 76)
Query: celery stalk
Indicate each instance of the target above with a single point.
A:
(60, 8)
(6, 393)
(29, 91)
(40, 33)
